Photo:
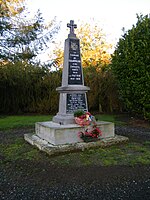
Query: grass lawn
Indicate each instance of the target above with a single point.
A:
(14, 148)
(105, 117)
(11, 122)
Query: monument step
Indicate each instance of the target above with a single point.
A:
(67, 148)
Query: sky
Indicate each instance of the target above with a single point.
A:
(110, 15)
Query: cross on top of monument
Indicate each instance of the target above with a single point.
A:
(72, 26)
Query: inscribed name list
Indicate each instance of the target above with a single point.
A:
(75, 102)
(75, 72)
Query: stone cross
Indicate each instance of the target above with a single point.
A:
(72, 26)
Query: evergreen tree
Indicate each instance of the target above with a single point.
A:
(131, 66)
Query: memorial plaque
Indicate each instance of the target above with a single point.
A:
(75, 102)
(74, 69)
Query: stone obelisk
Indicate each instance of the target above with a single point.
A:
(72, 91)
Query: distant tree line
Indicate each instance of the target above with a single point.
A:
(32, 89)
(28, 89)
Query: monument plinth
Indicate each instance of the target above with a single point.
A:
(72, 92)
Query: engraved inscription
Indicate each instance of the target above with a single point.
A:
(75, 71)
(75, 102)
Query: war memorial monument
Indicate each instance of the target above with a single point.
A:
(61, 134)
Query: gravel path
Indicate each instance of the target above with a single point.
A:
(20, 182)
(108, 183)
(134, 133)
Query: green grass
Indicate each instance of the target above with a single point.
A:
(11, 122)
(109, 118)
(127, 154)
(104, 117)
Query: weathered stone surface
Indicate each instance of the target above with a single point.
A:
(67, 148)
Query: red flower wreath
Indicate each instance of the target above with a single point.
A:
(88, 121)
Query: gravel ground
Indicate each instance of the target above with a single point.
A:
(134, 133)
(20, 180)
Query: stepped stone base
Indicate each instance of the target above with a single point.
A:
(54, 138)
